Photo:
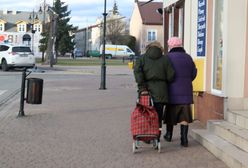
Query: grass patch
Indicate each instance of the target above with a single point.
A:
(87, 62)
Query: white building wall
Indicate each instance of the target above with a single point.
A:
(159, 31)
(95, 37)
(136, 26)
(234, 41)
(235, 47)
(17, 38)
(190, 27)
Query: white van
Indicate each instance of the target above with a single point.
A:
(117, 51)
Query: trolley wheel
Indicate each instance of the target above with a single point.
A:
(134, 147)
(155, 144)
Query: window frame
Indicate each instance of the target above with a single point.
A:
(155, 35)
(171, 25)
(21, 27)
(38, 28)
(219, 92)
(181, 22)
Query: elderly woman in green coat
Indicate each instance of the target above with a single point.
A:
(153, 71)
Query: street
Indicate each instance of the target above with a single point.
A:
(79, 126)
(10, 85)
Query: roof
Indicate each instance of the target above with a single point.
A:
(13, 17)
(149, 14)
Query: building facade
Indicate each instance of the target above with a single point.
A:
(21, 28)
(146, 24)
(214, 33)
(90, 38)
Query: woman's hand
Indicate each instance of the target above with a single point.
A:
(144, 92)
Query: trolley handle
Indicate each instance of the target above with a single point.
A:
(146, 94)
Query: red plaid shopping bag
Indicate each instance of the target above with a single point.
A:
(144, 121)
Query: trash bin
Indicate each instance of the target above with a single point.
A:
(130, 65)
(34, 90)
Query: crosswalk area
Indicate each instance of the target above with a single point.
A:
(2, 92)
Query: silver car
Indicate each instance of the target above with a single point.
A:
(12, 56)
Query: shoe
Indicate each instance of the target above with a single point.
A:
(168, 134)
(184, 135)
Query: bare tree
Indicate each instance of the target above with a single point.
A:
(115, 28)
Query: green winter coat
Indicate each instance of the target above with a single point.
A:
(152, 72)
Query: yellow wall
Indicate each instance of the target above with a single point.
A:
(198, 83)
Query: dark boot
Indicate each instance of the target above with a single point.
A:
(169, 131)
(184, 135)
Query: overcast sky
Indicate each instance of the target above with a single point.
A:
(83, 12)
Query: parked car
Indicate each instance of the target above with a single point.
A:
(12, 56)
(93, 53)
(78, 53)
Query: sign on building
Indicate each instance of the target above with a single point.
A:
(201, 28)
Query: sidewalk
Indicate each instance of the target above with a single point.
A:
(80, 126)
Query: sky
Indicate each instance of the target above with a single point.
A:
(83, 12)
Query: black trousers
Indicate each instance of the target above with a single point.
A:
(159, 108)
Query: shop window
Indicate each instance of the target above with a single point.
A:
(151, 35)
(218, 47)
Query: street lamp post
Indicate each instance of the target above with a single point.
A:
(32, 18)
(103, 66)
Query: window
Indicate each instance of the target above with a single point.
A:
(151, 35)
(37, 28)
(129, 50)
(21, 28)
(171, 24)
(21, 49)
(1, 27)
(3, 48)
(180, 23)
(218, 47)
